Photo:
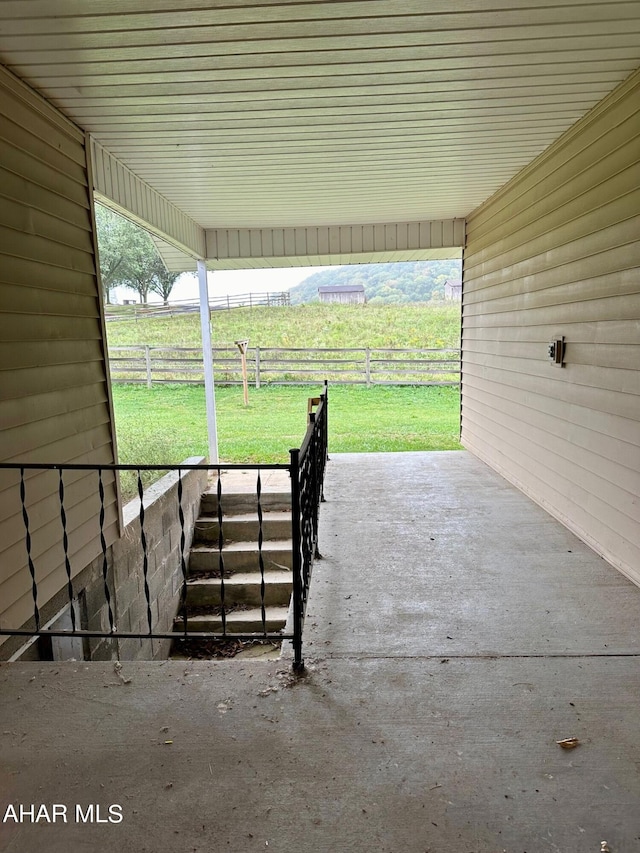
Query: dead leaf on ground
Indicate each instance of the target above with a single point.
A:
(569, 743)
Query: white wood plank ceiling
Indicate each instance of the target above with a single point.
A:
(272, 113)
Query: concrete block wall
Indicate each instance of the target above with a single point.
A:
(164, 574)
(125, 575)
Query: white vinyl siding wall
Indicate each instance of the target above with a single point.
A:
(54, 395)
(120, 189)
(556, 252)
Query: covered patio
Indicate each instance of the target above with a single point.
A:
(455, 632)
(280, 133)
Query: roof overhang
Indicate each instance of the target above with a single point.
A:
(232, 249)
(119, 188)
(287, 132)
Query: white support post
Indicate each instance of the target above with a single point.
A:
(207, 358)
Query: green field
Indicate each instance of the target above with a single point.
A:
(414, 325)
(166, 423)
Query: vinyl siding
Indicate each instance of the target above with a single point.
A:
(54, 394)
(556, 253)
(119, 188)
(336, 240)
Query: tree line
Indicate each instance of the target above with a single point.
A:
(129, 259)
(403, 282)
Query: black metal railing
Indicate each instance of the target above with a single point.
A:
(307, 492)
(35, 484)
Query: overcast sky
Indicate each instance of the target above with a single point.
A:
(234, 282)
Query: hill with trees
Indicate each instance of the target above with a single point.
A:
(420, 281)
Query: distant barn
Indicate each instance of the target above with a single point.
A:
(347, 294)
(453, 289)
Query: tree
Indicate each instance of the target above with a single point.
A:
(128, 257)
(163, 281)
(112, 241)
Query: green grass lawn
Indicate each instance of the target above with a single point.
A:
(165, 424)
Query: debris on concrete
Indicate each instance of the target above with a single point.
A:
(604, 847)
(568, 742)
(117, 668)
(287, 678)
(195, 649)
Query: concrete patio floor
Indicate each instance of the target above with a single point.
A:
(454, 633)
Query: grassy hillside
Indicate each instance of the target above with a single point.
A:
(420, 326)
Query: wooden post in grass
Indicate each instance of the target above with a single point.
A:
(242, 346)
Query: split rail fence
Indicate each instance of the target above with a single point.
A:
(287, 366)
(139, 311)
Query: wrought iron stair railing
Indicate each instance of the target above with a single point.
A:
(306, 470)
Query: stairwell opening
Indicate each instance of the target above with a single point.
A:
(240, 568)
(207, 551)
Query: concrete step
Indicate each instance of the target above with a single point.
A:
(242, 527)
(237, 622)
(241, 556)
(235, 503)
(241, 588)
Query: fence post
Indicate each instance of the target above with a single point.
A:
(310, 367)
(147, 361)
(298, 593)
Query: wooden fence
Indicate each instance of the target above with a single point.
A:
(186, 306)
(293, 366)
